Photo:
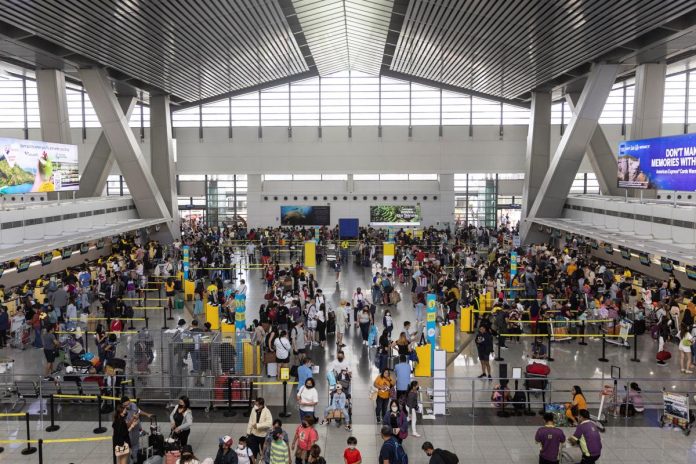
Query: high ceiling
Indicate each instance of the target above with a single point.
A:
(203, 50)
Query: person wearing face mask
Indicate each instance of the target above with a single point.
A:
(397, 420)
(225, 454)
(121, 437)
(244, 453)
(268, 443)
(260, 422)
(412, 405)
(351, 455)
(181, 420)
(340, 364)
(307, 399)
(305, 436)
(279, 452)
(339, 402)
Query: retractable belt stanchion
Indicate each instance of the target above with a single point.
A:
(164, 319)
(53, 427)
(498, 357)
(582, 340)
(40, 450)
(29, 449)
(251, 400)
(604, 350)
(100, 428)
(229, 412)
(285, 412)
(548, 354)
(635, 348)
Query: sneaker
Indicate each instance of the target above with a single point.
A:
(503, 347)
(688, 371)
(379, 421)
(416, 434)
(481, 376)
(490, 378)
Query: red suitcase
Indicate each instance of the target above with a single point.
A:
(663, 355)
(538, 369)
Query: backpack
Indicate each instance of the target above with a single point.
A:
(447, 456)
(399, 454)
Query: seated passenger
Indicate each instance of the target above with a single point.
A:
(634, 399)
(339, 402)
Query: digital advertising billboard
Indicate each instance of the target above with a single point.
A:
(28, 166)
(305, 215)
(664, 163)
(395, 215)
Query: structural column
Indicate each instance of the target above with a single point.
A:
(53, 106)
(100, 162)
(125, 148)
(538, 152)
(571, 149)
(648, 101)
(599, 154)
(162, 154)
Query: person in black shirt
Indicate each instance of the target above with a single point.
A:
(484, 346)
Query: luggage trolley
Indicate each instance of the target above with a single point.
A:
(344, 379)
(622, 329)
(559, 330)
(536, 381)
(676, 411)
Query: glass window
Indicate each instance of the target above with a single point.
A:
(393, 177)
(335, 99)
(455, 108)
(33, 117)
(304, 96)
(364, 99)
(365, 176)
(395, 103)
(578, 186)
(274, 106)
(306, 177)
(485, 112)
(425, 105)
(189, 117)
(511, 176)
(559, 112)
(514, 115)
(245, 109)
(334, 177)
(422, 177)
(190, 177)
(12, 103)
(673, 111)
(277, 177)
(216, 114)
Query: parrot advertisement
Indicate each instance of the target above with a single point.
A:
(28, 166)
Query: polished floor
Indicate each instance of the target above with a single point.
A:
(471, 427)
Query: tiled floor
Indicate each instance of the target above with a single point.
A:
(477, 436)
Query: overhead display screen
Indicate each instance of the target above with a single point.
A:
(395, 215)
(665, 163)
(28, 166)
(305, 215)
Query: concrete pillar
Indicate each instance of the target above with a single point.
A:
(125, 148)
(538, 152)
(571, 149)
(53, 106)
(599, 154)
(100, 162)
(648, 101)
(162, 153)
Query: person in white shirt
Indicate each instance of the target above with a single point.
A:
(251, 252)
(340, 364)
(341, 319)
(244, 453)
(283, 348)
(242, 289)
(307, 399)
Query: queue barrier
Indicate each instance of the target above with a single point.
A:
(100, 428)
(583, 336)
(138, 299)
(285, 383)
(29, 449)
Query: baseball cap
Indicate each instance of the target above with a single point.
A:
(227, 440)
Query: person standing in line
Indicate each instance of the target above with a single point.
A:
(225, 454)
(4, 326)
(244, 453)
(181, 420)
(550, 439)
(402, 369)
(51, 346)
(268, 442)
(307, 399)
(341, 322)
(587, 436)
(484, 346)
(351, 455)
(121, 437)
(305, 436)
(383, 384)
(279, 452)
(133, 413)
(260, 422)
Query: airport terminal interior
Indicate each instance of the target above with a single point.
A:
(413, 231)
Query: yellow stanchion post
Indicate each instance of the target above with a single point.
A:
(212, 315)
(310, 254)
(447, 337)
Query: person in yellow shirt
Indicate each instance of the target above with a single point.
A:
(383, 383)
(572, 267)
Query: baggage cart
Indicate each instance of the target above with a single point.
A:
(676, 411)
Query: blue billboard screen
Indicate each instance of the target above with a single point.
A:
(665, 163)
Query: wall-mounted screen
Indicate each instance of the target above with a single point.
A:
(666, 265)
(690, 272)
(100, 244)
(666, 163)
(66, 253)
(625, 254)
(305, 215)
(46, 258)
(644, 259)
(23, 265)
(609, 248)
(594, 244)
(395, 215)
(30, 166)
(84, 248)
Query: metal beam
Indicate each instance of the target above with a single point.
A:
(124, 147)
(253, 88)
(100, 162)
(538, 154)
(571, 149)
(53, 106)
(648, 101)
(454, 88)
(599, 154)
(162, 154)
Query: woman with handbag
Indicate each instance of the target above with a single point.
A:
(412, 405)
(121, 438)
(398, 421)
(269, 355)
(181, 420)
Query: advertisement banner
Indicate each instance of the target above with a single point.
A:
(186, 262)
(431, 320)
(513, 264)
(240, 312)
(395, 215)
(28, 166)
(305, 215)
(665, 163)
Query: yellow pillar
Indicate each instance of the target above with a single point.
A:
(310, 254)
(447, 338)
(424, 366)
(388, 252)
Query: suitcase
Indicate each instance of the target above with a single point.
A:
(663, 355)
(538, 369)
(394, 297)
(639, 327)
(221, 388)
(331, 326)
(156, 442)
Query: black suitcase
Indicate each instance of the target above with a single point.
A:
(639, 327)
(331, 325)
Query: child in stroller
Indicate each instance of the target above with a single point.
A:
(338, 408)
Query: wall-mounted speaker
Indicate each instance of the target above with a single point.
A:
(374, 198)
(384, 198)
(355, 198)
(345, 198)
(304, 198)
(265, 198)
(285, 198)
(325, 198)
(435, 197)
(425, 197)
(364, 197)
(415, 198)
(294, 198)
(394, 197)
(405, 197)
(335, 198)
(275, 198)
(315, 198)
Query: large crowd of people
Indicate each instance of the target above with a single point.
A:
(550, 293)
